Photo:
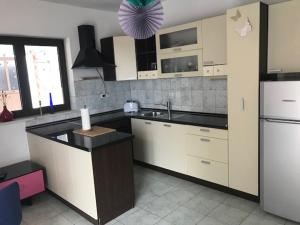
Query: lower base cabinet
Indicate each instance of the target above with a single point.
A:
(208, 170)
(155, 144)
(191, 150)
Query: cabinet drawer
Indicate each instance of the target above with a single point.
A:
(208, 71)
(207, 170)
(207, 132)
(219, 70)
(30, 184)
(208, 148)
(145, 75)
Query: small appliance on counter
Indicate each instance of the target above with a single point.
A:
(131, 106)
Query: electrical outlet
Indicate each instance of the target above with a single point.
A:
(104, 95)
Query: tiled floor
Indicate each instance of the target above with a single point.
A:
(162, 200)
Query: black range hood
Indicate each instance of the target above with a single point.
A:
(89, 56)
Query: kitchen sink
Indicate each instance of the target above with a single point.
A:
(152, 114)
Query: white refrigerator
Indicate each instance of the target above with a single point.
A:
(280, 148)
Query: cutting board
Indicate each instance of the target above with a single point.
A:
(94, 132)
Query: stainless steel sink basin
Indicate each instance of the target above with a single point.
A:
(152, 114)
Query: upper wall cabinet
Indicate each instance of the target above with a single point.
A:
(146, 58)
(284, 36)
(180, 64)
(179, 38)
(214, 41)
(120, 51)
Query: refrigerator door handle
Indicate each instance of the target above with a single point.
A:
(283, 121)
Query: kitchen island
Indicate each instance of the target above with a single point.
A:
(92, 175)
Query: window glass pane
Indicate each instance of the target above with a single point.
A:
(44, 75)
(9, 78)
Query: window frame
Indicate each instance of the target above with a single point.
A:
(18, 44)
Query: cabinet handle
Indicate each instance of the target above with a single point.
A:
(177, 49)
(243, 104)
(275, 70)
(205, 140)
(204, 130)
(205, 162)
(178, 75)
(167, 125)
(289, 100)
(148, 123)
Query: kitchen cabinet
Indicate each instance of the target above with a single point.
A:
(198, 151)
(284, 36)
(147, 75)
(154, 144)
(247, 58)
(208, 170)
(217, 70)
(167, 153)
(214, 41)
(179, 38)
(146, 58)
(207, 154)
(181, 64)
(121, 52)
(64, 177)
(143, 143)
(99, 183)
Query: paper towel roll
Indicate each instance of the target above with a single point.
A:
(85, 119)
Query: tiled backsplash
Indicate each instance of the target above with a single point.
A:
(88, 92)
(199, 94)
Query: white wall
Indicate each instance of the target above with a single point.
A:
(13, 143)
(43, 19)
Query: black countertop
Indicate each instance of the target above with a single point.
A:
(62, 131)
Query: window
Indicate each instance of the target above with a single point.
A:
(33, 71)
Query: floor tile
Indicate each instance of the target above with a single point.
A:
(72, 216)
(178, 196)
(264, 216)
(57, 220)
(140, 217)
(184, 216)
(161, 206)
(202, 204)
(239, 203)
(228, 215)
(39, 212)
(209, 221)
(163, 222)
(162, 200)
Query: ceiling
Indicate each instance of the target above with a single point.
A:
(176, 11)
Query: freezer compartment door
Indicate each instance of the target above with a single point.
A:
(280, 99)
(280, 158)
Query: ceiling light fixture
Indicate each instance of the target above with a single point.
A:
(140, 19)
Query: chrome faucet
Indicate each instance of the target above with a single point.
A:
(169, 107)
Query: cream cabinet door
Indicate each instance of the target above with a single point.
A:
(44, 156)
(69, 172)
(125, 58)
(179, 38)
(214, 41)
(284, 36)
(143, 131)
(168, 148)
(243, 99)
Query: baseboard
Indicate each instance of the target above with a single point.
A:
(201, 182)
